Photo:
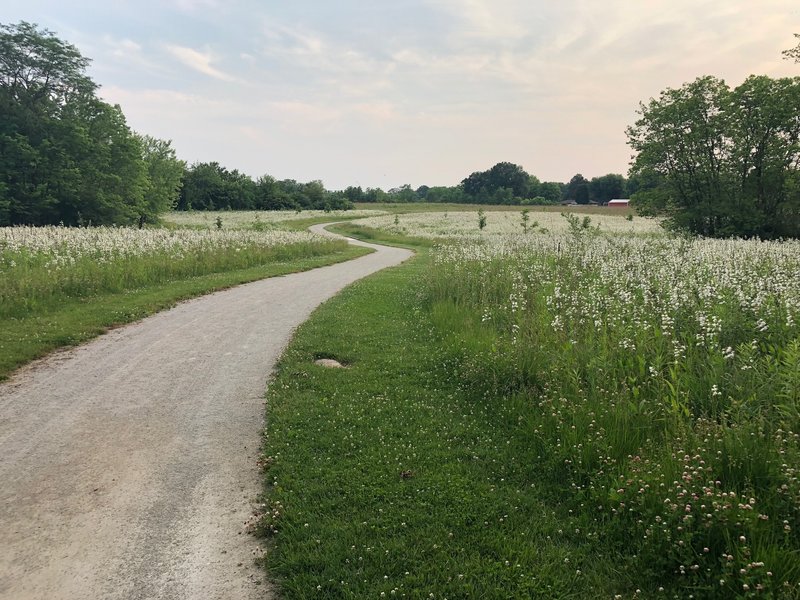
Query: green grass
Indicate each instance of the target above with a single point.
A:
(380, 236)
(65, 321)
(475, 450)
(677, 447)
(389, 478)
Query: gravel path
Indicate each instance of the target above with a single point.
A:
(128, 464)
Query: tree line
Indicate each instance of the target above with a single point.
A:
(506, 183)
(210, 186)
(66, 156)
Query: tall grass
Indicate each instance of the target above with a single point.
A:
(658, 382)
(258, 219)
(42, 267)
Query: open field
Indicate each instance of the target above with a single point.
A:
(409, 207)
(553, 407)
(464, 224)
(569, 414)
(258, 219)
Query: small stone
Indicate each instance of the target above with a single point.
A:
(329, 363)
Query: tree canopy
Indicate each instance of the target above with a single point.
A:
(65, 155)
(210, 186)
(505, 183)
(719, 161)
(577, 190)
(607, 187)
(504, 180)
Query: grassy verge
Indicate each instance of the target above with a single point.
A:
(72, 321)
(389, 479)
(370, 234)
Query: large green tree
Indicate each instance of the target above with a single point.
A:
(164, 176)
(65, 155)
(720, 161)
(577, 190)
(606, 187)
(505, 181)
(551, 191)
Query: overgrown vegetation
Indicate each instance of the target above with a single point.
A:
(658, 385)
(564, 415)
(61, 286)
(386, 479)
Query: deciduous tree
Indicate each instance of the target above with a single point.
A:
(607, 187)
(793, 53)
(722, 162)
(65, 155)
(577, 190)
(165, 176)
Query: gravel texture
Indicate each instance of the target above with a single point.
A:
(128, 465)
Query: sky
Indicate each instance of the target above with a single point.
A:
(386, 93)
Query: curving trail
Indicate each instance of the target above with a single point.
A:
(128, 464)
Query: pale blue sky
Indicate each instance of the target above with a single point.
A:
(421, 91)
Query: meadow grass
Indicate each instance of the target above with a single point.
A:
(386, 479)
(381, 236)
(60, 286)
(260, 219)
(463, 224)
(438, 207)
(562, 416)
(661, 379)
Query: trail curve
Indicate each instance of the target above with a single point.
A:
(128, 464)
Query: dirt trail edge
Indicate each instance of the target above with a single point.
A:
(128, 464)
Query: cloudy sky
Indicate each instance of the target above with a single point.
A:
(383, 93)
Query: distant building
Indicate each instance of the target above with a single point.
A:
(620, 202)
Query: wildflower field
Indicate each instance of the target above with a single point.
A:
(256, 219)
(63, 285)
(660, 381)
(462, 224)
(41, 265)
(573, 413)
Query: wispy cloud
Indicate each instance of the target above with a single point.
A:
(423, 91)
(313, 50)
(199, 61)
(496, 20)
(122, 48)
